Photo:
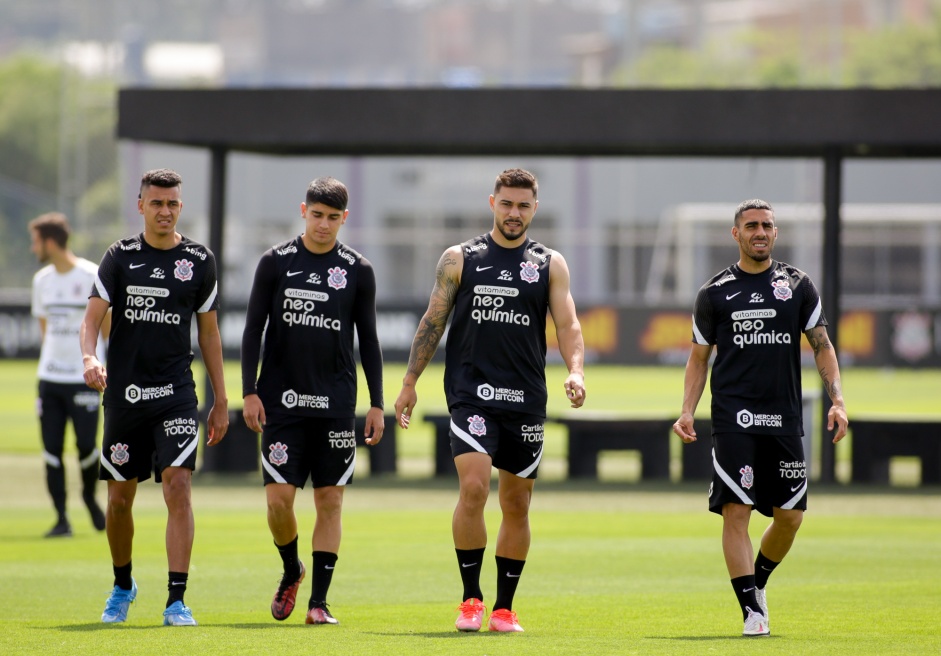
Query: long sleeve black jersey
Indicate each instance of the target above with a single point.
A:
(310, 304)
(153, 294)
(496, 349)
(756, 322)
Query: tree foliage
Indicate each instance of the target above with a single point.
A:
(904, 55)
(54, 123)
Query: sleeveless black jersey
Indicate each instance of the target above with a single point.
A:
(496, 347)
(756, 322)
(153, 294)
(311, 303)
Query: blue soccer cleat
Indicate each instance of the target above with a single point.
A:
(117, 604)
(178, 615)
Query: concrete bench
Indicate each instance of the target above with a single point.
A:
(876, 441)
(588, 436)
(239, 451)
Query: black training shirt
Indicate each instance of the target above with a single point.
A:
(311, 304)
(153, 294)
(756, 322)
(496, 349)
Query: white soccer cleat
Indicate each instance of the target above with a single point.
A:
(756, 624)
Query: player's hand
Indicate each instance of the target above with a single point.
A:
(684, 428)
(96, 377)
(405, 404)
(217, 423)
(837, 417)
(575, 390)
(375, 426)
(253, 412)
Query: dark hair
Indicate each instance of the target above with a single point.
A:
(517, 179)
(329, 191)
(753, 204)
(52, 226)
(160, 178)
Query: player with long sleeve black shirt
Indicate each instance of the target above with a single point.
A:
(308, 295)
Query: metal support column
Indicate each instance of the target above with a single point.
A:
(217, 187)
(832, 198)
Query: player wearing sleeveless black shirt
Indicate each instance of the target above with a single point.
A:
(753, 313)
(60, 291)
(310, 292)
(154, 283)
(500, 286)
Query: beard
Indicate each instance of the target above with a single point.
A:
(511, 236)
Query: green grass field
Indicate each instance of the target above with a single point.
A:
(616, 567)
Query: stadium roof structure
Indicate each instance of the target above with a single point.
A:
(830, 124)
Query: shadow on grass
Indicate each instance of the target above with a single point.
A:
(714, 638)
(99, 626)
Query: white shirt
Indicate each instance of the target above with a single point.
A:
(60, 299)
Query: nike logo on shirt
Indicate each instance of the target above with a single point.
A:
(480, 268)
(294, 273)
(731, 296)
(138, 266)
(180, 445)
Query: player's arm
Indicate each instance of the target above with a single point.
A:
(42, 329)
(567, 329)
(370, 353)
(95, 374)
(256, 318)
(210, 344)
(430, 329)
(694, 382)
(829, 370)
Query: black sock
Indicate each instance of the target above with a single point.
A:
(763, 569)
(176, 586)
(122, 576)
(288, 552)
(508, 577)
(744, 587)
(324, 564)
(470, 562)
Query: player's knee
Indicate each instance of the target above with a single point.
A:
(474, 492)
(789, 520)
(515, 505)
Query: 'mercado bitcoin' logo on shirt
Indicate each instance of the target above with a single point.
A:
(142, 305)
(299, 309)
(488, 303)
(748, 329)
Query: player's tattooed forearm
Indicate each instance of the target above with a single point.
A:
(817, 337)
(833, 388)
(424, 346)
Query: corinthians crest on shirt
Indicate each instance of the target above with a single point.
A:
(337, 278)
(782, 289)
(183, 270)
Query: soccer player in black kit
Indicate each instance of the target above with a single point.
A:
(154, 283)
(753, 313)
(500, 286)
(311, 292)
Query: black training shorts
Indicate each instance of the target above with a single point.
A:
(513, 441)
(764, 471)
(295, 448)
